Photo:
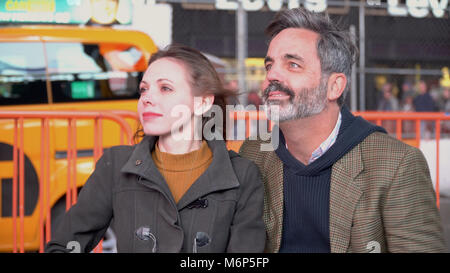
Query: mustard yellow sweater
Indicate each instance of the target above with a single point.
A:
(181, 170)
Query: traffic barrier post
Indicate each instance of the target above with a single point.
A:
(18, 179)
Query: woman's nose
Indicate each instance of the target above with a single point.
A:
(147, 98)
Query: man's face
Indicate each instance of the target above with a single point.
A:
(293, 80)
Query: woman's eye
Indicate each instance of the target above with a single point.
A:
(166, 88)
(142, 90)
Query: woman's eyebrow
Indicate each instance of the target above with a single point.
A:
(164, 79)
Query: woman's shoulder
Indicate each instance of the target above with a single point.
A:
(117, 155)
(242, 166)
(119, 151)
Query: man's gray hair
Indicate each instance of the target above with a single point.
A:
(335, 47)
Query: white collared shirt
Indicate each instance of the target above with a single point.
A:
(327, 143)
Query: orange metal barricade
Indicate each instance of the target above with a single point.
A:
(377, 118)
(18, 185)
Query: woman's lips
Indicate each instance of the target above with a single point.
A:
(150, 115)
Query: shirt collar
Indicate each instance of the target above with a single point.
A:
(327, 143)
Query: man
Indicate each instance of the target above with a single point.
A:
(335, 183)
(424, 102)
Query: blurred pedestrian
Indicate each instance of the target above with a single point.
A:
(254, 99)
(424, 102)
(168, 193)
(407, 89)
(232, 88)
(444, 106)
(444, 100)
(408, 126)
(388, 103)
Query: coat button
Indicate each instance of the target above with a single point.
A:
(138, 162)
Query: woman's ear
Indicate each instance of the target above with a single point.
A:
(336, 85)
(202, 104)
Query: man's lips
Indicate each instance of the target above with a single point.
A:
(150, 115)
(277, 95)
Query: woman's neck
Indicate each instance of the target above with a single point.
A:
(168, 144)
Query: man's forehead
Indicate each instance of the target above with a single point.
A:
(297, 41)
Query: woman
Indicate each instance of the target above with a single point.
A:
(171, 192)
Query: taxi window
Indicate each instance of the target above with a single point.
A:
(76, 72)
(80, 72)
(22, 74)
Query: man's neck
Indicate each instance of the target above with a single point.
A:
(304, 135)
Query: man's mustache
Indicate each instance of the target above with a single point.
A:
(277, 86)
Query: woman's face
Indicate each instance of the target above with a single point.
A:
(164, 87)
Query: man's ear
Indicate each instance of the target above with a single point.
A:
(202, 104)
(336, 85)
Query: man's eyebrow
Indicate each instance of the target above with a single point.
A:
(267, 59)
(295, 57)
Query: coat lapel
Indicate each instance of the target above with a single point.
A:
(141, 164)
(344, 195)
(219, 176)
(273, 203)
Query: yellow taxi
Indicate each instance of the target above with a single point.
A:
(45, 67)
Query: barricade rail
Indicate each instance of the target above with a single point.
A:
(19, 117)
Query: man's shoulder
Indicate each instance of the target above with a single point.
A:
(381, 146)
(381, 141)
(252, 149)
(252, 144)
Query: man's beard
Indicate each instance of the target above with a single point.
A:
(308, 102)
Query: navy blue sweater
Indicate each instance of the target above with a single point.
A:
(306, 189)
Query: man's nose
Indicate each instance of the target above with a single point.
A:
(274, 74)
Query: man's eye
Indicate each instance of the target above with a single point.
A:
(294, 65)
(268, 66)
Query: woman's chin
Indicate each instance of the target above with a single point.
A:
(156, 132)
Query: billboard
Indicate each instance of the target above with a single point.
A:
(102, 12)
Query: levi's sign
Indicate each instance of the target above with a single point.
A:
(414, 8)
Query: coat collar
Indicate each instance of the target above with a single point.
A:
(220, 174)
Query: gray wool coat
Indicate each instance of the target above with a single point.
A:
(223, 208)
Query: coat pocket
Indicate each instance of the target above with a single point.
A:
(135, 212)
(209, 226)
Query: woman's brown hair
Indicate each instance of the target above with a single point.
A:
(204, 79)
